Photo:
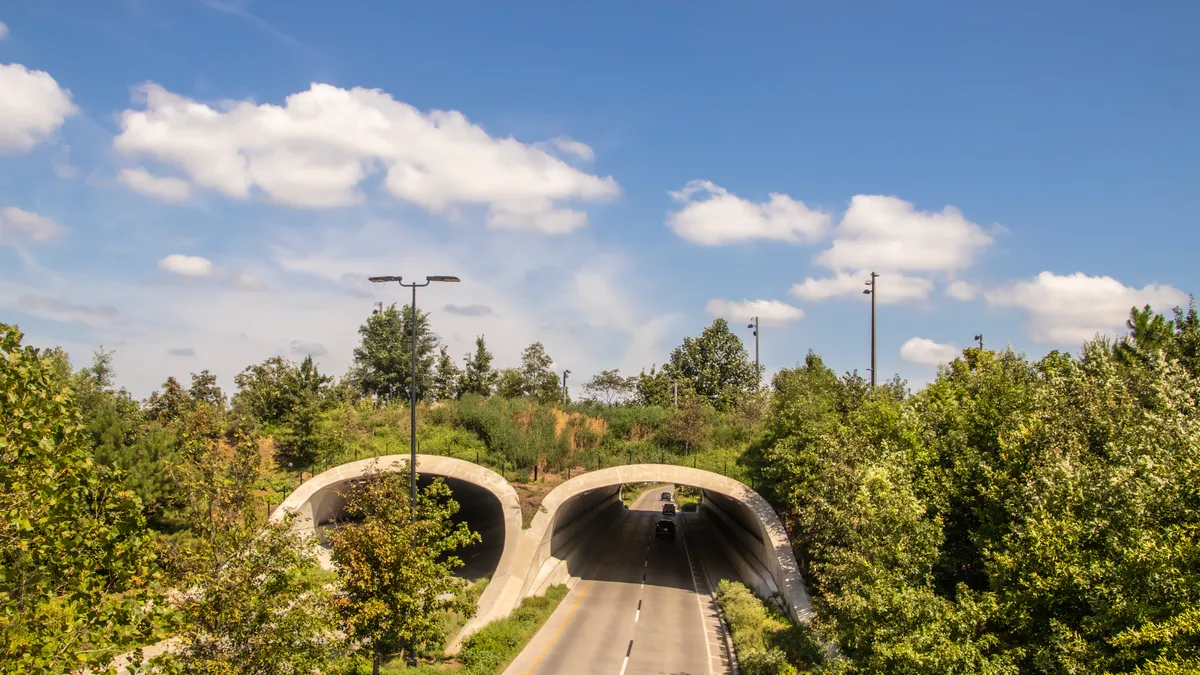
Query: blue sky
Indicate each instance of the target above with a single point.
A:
(604, 178)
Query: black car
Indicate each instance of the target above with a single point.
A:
(665, 529)
(668, 509)
(666, 497)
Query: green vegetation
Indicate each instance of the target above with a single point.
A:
(1011, 517)
(489, 651)
(687, 497)
(631, 492)
(766, 643)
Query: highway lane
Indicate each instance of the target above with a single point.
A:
(644, 607)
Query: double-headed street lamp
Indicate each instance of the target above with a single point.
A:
(412, 389)
(757, 376)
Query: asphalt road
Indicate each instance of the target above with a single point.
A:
(643, 608)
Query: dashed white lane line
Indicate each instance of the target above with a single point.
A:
(700, 606)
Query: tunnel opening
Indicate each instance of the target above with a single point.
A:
(479, 508)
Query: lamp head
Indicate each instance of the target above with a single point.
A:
(382, 280)
(442, 278)
(866, 292)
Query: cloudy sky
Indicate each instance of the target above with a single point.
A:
(208, 183)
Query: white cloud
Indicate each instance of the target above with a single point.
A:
(17, 225)
(769, 312)
(32, 108)
(186, 265)
(574, 147)
(321, 144)
(161, 187)
(3, 30)
(927, 352)
(892, 288)
(962, 290)
(887, 233)
(1071, 309)
(722, 217)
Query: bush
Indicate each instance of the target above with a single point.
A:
(495, 645)
(765, 641)
(770, 662)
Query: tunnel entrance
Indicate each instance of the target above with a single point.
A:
(478, 508)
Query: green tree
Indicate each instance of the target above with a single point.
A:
(1185, 345)
(397, 571)
(478, 376)
(447, 378)
(540, 382)
(204, 389)
(1149, 334)
(74, 552)
(610, 386)
(254, 603)
(511, 384)
(169, 406)
(715, 365)
(382, 362)
(657, 387)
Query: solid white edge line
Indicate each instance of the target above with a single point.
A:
(624, 665)
(700, 606)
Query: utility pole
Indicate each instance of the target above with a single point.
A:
(872, 292)
(980, 338)
(378, 308)
(565, 374)
(412, 389)
(757, 377)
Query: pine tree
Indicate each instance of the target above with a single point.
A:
(447, 378)
(478, 376)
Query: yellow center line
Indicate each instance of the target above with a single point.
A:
(558, 632)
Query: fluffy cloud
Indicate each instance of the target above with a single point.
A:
(1068, 310)
(32, 108)
(571, 146)
(186, 265)
(928, 352)
(891, 288)
(160, 187)
(887, 233)
(769, 312)
(321, 144)
(720, 217)
(17, 225)
(962, 290)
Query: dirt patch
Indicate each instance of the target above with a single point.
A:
(531, 494)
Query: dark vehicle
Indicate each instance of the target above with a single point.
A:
(666, 497)
(668, 509)
(665, 529)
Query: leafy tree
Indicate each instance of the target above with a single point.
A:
(447, 378)
(658, 387)
(1185, 345)
(397, 570)
(610, 387)
(715, 365)
(541, 383)
(511, 384)
(254, 603)
(382, 362)
(169, 406)
(478, 376)
(74, 552)
(204, 389)
(687, 425)
(1149, 335)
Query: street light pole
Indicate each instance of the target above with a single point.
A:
(980, 338)
(565, 374)
(757, 377)
(412, 387)
(872, 292)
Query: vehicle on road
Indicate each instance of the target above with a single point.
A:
(668, 509)
(666, 497)
(665, 529)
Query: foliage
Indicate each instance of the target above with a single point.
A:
(74, 554)
(478, 376)
(541, 384)
(610, 386)
(396, 568)
(766, 643)
(715, 366)
(383, 360)
(447, 379)
(493, 647)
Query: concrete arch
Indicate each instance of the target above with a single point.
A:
(748, 522)
(318, 501)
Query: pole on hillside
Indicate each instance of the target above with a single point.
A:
(757, 377)
(980, 338)
(565, 374)
(872, 292)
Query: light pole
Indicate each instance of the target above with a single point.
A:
(980, 338)
(412, 387)
(757, 377)
(565, 374)
(872, 292)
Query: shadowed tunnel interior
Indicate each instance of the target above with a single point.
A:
(478, 507)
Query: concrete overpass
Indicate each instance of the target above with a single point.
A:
(562, 539)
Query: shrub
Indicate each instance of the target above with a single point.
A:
(770, 662)
(495, 645)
